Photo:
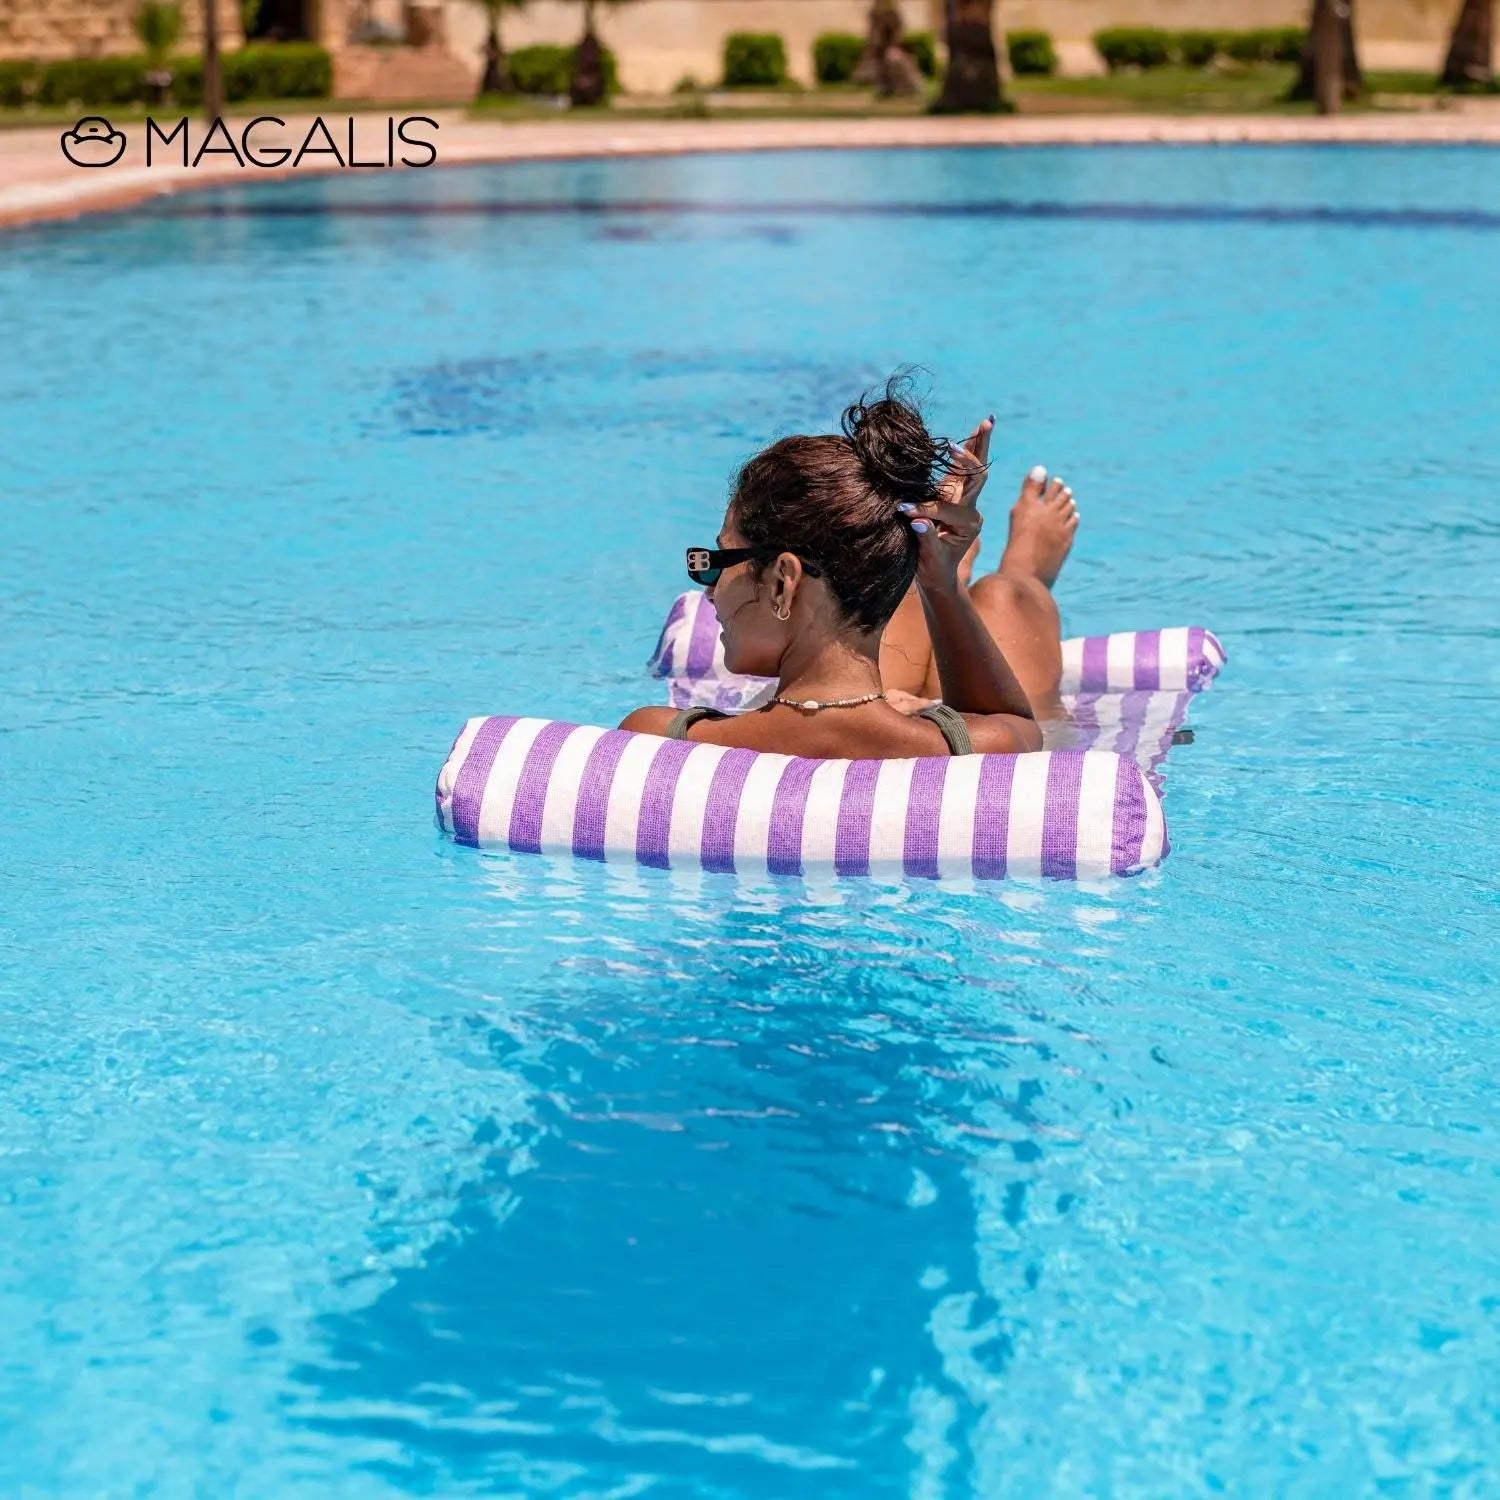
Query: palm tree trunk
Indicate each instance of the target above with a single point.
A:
(213, 73)
(1332, 20)
(586, 85)
(1471, 51)
(972, 83)
(496, 79)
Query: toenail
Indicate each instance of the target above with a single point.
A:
(1038, 474)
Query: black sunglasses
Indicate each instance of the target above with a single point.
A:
(705, 565)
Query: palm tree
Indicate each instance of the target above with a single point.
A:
(1330, 71)
(971, 83)
(1470, 63)
(158, 24)
(496, 77)
(587, 84)
(213, 74)
(885, 64)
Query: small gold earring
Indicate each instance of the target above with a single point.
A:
(783, 617)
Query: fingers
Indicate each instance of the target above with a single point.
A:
(979, 441)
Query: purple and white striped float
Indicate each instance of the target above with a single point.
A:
(690, 655)
(542, 787)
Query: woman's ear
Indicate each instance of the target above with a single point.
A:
(784, 579)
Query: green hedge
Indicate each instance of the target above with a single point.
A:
(836, 54)
(923, 47)
(1267, 44)
(548, 69)
(1151, 47)
(1031, 52)
(287, 70)
(754, 59)
(18, 83)
(1133, 47)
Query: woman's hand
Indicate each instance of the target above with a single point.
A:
(947, 527)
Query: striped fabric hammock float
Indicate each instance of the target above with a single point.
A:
(1085, 807)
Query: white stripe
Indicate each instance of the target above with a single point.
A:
(753, 824)
(689, 804)
(561, 806)
(1156, 828)
(623, 816)
(448, 776)
(1119, 659)
(1028, 809)
(956, 821)
(1096, 815)
(888, 816)
(1072, 664)
(1173, 657)
(500, 789)
(821, 820)
(1213, 651)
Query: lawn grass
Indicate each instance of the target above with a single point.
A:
(1171, 90)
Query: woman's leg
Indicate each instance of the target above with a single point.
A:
(1016, 601)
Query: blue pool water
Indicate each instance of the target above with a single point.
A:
(337, 1160)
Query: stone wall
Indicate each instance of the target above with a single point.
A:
(47, 29)
(659, 42)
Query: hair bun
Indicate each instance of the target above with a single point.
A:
(900, 458)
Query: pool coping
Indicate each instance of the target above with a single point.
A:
(37, 183)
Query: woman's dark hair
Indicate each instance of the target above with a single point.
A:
(832, 501)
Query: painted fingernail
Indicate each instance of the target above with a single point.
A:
(956, 447)
(920, 526)
(1038, 474)
(990, 419)
(906, 507)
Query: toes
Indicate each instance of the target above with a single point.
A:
(1034, 483)
(1055, 492)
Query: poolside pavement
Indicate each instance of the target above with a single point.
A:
(38, 182)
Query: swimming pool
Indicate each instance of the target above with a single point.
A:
(340, 1160)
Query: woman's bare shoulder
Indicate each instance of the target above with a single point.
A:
(1003, 734)
(648, 720)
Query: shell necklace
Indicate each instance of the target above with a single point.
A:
(812, 704)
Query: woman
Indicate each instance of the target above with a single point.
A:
(820, 544)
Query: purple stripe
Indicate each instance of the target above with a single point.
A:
(704, 638)
(531, 788)
(924, 810)
(851, 839)
(473, 777)
(1086, 720)
(594, 785)
(661, 658)
(1133, 710)
(437, 786)
(1199, 671)
(1148, 659)
(1060, 814)
(992, 817)
(1129, 831)
(655, 823)
(1093, 675)
(788, 808)
(722, 810)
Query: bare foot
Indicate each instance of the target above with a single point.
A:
(1043, 523)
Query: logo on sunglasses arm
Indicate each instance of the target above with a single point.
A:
(93, 142)
(697, 560)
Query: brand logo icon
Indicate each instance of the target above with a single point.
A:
(93, 142)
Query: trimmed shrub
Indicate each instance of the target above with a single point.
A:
(1133, 47)
(93, 82)
(18, 83)
(836, 54)
(1031, 52)
(283, 70)
(923, 48)
(547, 68)
(1196, 49)
(754, 59)
(1266, 44)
